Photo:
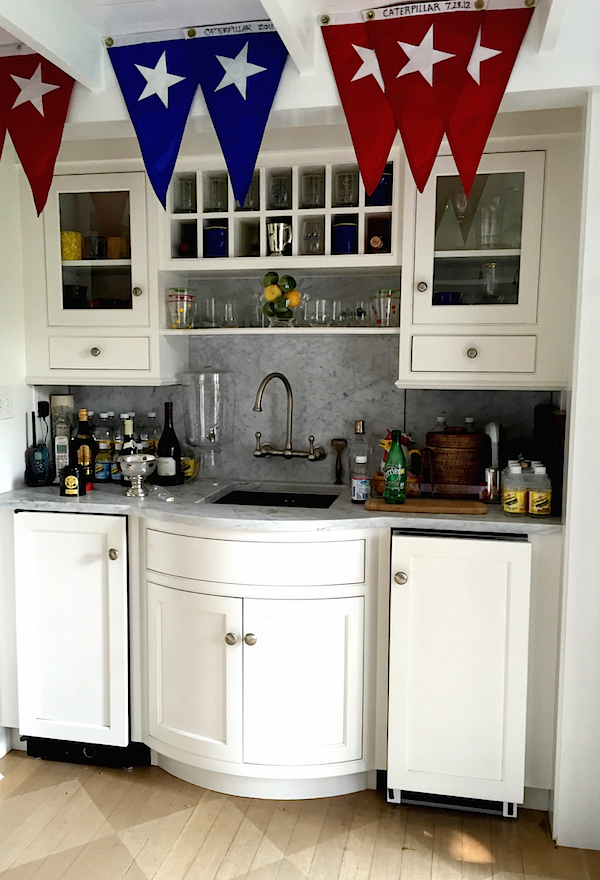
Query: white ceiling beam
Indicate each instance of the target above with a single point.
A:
(551, 15)
(296, 24)
(58, 32)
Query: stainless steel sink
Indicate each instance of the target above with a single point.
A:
(277, 499)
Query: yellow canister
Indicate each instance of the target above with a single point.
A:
(71, 245)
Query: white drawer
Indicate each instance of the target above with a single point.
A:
(99, 353)
(260, 563)
(473, 354)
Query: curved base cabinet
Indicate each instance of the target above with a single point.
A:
(268, 789)
(255, 669)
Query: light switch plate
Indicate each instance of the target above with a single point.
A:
(5, 402)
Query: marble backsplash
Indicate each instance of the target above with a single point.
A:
(335, 380)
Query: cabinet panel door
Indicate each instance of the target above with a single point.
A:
(458, 667)
(303, 681)
(477, 260)
(194, 690)
(72, 644)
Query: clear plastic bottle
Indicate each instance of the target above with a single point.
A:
(470, 424)
(540, 493)
(514, 491)
(359, 446)
(119, 436)
(440, 425)
(360, 479)
(103, 432)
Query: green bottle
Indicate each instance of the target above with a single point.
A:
(394, 472)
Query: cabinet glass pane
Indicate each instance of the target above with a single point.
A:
(478, 240)
(95, 250)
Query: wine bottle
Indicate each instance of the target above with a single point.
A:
(168, 453)
(84, 447)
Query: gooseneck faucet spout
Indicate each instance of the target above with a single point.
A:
(314, 453)
(290, 405)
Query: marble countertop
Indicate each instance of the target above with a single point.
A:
(191, 504)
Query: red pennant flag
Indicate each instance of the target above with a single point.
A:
(34, 99)
(496, 48)
(423, 51)
(362, 93)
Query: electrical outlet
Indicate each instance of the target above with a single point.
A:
(5, 402)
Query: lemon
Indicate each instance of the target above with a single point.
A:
(272, 292)
(286, 282)
(293, 299)
(270, 278)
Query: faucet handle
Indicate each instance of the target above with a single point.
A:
(315, 453)
(257, 449)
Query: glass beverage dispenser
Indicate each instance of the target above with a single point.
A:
(209, 398)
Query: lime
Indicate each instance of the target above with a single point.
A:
(268, 309)
(270, 278)
(286, 313)
(286, 282)
(280, 305)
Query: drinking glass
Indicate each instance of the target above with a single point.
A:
(346, 189)
(185, 202)
(280, 193)
(386, 308)
(229, 313)
(318, 313)
(312, 191)
(216, 197)
(313, 235)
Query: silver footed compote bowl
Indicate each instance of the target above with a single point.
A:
(136, 468)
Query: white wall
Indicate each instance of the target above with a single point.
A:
(576, 820)
(12, 431)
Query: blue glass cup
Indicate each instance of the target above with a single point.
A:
(215, 241)
(344, 238)
(382, 194)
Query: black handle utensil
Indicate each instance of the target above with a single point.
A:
(339, 444)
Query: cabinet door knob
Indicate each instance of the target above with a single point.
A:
(113, 554)
(471, 352)
(422, 286)
(401, 577)
(137, 291)
(250, 639)
(94, 352)
(231, 638)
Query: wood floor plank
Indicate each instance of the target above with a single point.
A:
(447, 862)
(417, 857)
(218, 841)
(277, 836)
(360, 845)
(330, 849)
(476, 848)
(194, 833)
(386, 863)
(246, 841)
(303, 841)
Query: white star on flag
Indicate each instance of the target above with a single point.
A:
(480, 54)
(32, 90)
(422, 57)
(158, 80)
(237, 71)
(369, 66)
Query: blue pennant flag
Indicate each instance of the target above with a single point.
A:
(158, 85)
(239, 72)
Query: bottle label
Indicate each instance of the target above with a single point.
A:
(395, 476)
(514, 500)
(84, 456)
(166, 467)
(540, 502)
(102, 469)
(115, 473)
(360, 488)
(71, 485)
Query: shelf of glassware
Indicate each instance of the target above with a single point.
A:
(313, 215)
(293, 331)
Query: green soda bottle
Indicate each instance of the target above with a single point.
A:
(394, 472)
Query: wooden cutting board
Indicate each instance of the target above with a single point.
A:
(429, 505)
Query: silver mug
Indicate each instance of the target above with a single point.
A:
(279, 235)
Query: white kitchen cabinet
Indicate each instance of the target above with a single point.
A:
(256, 680)
(459, 641)
(487, 280)
(255, 668)
(72, 639)
(92, 310)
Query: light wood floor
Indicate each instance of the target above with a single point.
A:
(89, 823)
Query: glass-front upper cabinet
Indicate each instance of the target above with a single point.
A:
(477, 257)
(94, 227)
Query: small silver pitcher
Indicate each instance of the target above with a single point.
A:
(279, 235)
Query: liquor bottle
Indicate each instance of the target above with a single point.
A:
(129, 444)
(84, 447)
(168, 452)
(395, 472)
(119, 437)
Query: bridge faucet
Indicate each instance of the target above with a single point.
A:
(314, 453)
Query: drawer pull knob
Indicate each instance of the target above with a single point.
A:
(113, 554)
(250, 639)
(94, 352)
(137, 291)
(471, 352)
(231, 638)
(401, 577)
(422, 286)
